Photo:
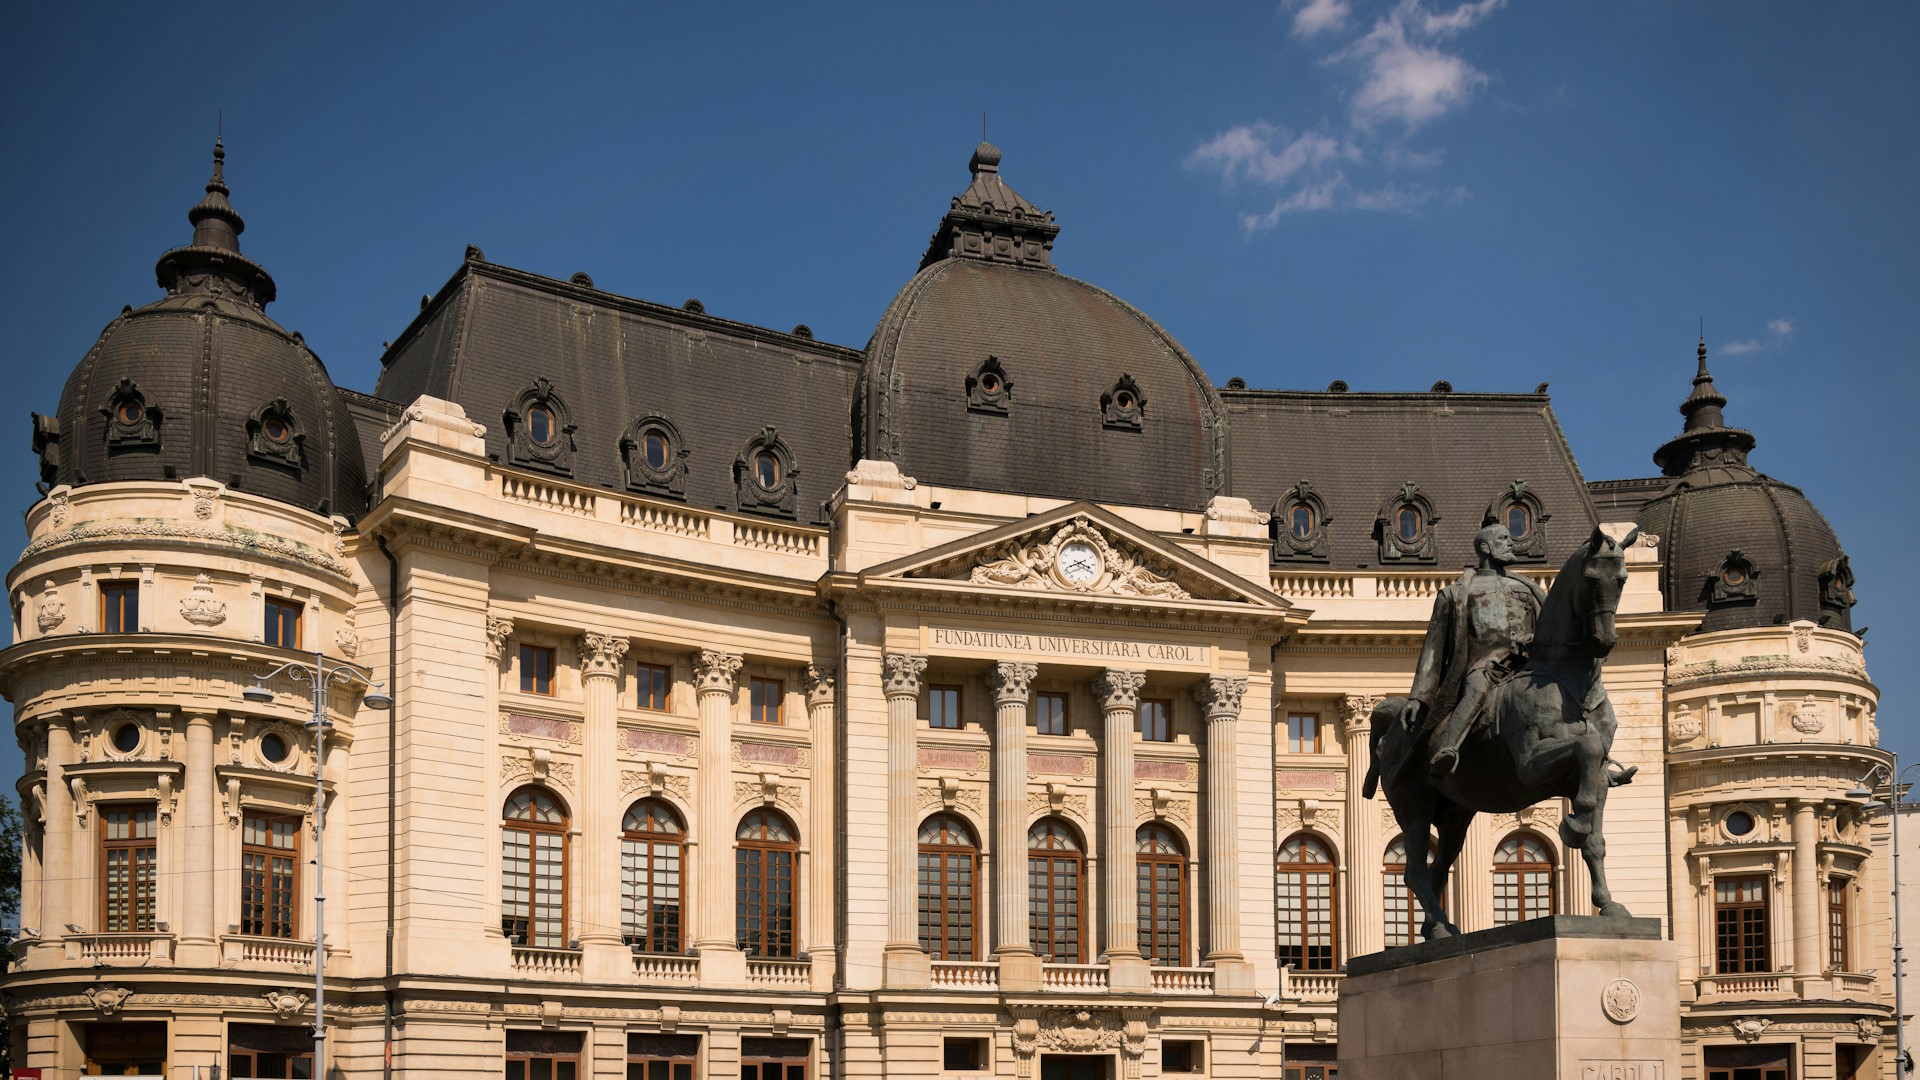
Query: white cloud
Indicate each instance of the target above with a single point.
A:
(1409, 78)
(1736, 348)
(1778, 331)
(1321, 17)
(1264, 153)
(1336, 193)
(1781, 329)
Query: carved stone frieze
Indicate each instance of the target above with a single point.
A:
(768, 791)
(537, 767)
(1161, 805)
(146, 530)
(1115, 568)
(1770, 663)
(655, 781)
(1055, 800)
(938, 795)
(107, 1000)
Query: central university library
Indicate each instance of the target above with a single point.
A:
(988, 700)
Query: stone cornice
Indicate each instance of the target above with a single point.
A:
(927, 595)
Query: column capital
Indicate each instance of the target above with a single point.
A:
(901, 674)
(600, 655)
(714, 672)
(1117, 689)
(1356, 715)
(1011, 681)
(821, 682)
(1219, 696)
(498, 631)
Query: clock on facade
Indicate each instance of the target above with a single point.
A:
(1079, 563)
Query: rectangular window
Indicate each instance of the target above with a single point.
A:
(963, 1055)
(1740, 925)
(943, 707)
(120, 607)
(283, 623)
(1050, 714)
(129, 869)
(536, 670)
(765, 695)
(662, 1057)
(1303, 734)
(774, 1059)
(269, 855)
(543, 1055)
(1156, 721)
(1180, 1056)
(655, 681)
(1837, 924)
(269, 1050)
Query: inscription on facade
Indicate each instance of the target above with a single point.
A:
(541, 726)
(931, 758)
(1104, 650)
(769, 754)
(1057, 764)
(1159, 770)
(678, 745)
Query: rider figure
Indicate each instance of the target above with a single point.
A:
(1481, 627)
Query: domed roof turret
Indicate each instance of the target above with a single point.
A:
(1736, 543)
(202, 383)
(992, 370)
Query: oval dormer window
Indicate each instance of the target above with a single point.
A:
(1734, 575)
(656, 441)
(1300, 521)
(130, 412)
(766, 469)
(1408, 523)
(275, 429)
(540, 425)
(1519, 521)
(1123, 401)
(990, 383)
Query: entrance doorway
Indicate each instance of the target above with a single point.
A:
(1076, 1067)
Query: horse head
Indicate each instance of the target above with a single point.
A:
(1602, 573)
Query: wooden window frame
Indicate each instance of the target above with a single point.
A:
(748, 850)
(526, 1060)
(757, 686)
(1514, 875)
(645, 676)
(948, 944)
(274, 612)
(1151, 872)
(1837, 945)
(123, 599)
(1147, 726)
(533, 829)
(1734, 927)
(1062, 723)
(651, 941)
(1039, 910)
(267, 924)
(1298, 725)
(132, 845)
(787, 1068)
(1305, 927)
(949, 692)
(530, 657)
(253, 1061)
(1416, 915)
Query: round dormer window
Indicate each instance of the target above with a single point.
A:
(273, 748)
(126, 738)
(1738, 823)
(275, 429)
(130, 412)
(1123, 401)
(990, 383)
(1734, 575)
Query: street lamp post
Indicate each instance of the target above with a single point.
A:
(1864, 792)
(320, 674)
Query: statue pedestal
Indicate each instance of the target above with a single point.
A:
(1575, 997)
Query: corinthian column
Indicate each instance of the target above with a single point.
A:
(820, 940)
(1118, 693)
(721, 963)
(1019, 967)
(1808, 942)
(196, 920)
(601, 661)
(57, 841)
(1219, 700)
(907, 966)
(499, 633)
(1362, 887)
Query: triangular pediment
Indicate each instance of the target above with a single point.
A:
(1078, 549)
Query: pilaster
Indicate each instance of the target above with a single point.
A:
(821, 941)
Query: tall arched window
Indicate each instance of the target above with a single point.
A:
(533, 870)
(1306, 905)
(763, 885)
(1522, 880)
(1160, 861)
(949, 903)
(1056, 876)
(1404, 913)
(652, 860)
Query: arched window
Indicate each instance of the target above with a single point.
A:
(949, 903)
(1522, 880)
(1056, 875)
(1161, 864)
(763, 885)
(533, 870)
(652, 862)
(1404, 913)
(1306, 905)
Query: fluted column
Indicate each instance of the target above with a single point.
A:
(197, 945)
(1473, 877)
(1118, 693)
(821, 858)
(1809, 937)
(58, 841)
(1219, 700)
(1364, 844)
(721, 963)
(1011, 683)
(499, 633)
(602, 657)
(907, 966)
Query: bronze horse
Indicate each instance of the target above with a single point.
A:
(1545, 733)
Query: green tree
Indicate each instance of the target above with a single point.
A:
(10, 841)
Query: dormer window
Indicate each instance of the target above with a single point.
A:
(655, 457)
(1409, 524)
(274, 438)
(1519, 522)
(656, 444)
(1297, 526)
(988, 388)
(1735, 579)
(1404, 526)
(540, 425)
(539, 435)
(766, 470)
(1519, 510)
(1300, 521)
(1123, 407)
(132, 424)
(764, 476)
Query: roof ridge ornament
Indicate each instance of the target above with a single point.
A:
(1705, 440)
(211, 262)
(992, 222)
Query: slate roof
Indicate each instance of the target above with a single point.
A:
(1357, 449)
(491, 331)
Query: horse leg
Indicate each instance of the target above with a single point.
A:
(1453, 836)
(1590, 805)
(1420, 878)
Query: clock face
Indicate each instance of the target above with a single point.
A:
(1079, 563)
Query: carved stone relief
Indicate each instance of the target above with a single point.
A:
(51, 612)
(1806, 718)
(200, 607)
(1036, 564)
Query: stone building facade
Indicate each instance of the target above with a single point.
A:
(990, 700)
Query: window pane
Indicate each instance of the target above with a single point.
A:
(943, 707)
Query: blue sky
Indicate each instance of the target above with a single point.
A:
(1494, 194)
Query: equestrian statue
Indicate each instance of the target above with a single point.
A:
(1507, 709)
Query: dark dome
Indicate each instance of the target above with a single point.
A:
(202, 383)
(992, 370)
(1741, 546)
